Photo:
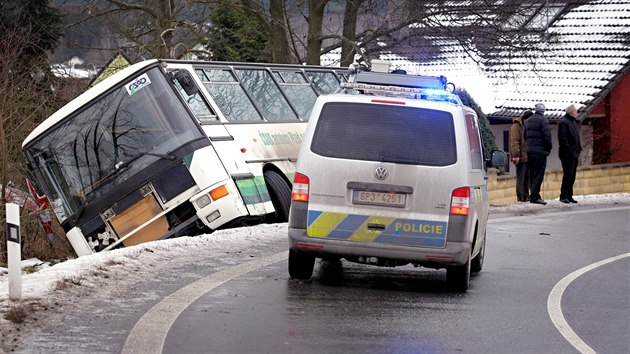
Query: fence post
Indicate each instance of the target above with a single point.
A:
(14, 251)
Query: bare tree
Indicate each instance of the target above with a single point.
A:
(348, 44)
(486, 30)
(26, 98)
(275, 21)
(159, 29)
(302, 31)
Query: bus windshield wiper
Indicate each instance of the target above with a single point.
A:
(164, 156)
(123, 164)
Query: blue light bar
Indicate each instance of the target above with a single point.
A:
(428, 94)
(413, 81)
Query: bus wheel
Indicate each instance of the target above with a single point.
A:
(280, 194)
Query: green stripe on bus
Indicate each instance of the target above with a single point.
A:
(253, 191)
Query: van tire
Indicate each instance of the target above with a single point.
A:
(280, 195)
(458, 277)
(300, 265)
(477, 263)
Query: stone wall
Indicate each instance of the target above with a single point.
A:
(595, 179)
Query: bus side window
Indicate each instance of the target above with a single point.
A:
(198, 105)
(325, 82)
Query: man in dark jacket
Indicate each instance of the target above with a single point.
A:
(518, 153)
(538, 137)
(569, 151)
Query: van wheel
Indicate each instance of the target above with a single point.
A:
(300, 265)
(458, 277)
(477, 262)
(280, 194)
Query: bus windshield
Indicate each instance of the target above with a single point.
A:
(114, 138)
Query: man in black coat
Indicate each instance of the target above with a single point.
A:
(538, 137)
(569, 151)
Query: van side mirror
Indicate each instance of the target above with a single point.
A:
(186, 81)
(498, 158)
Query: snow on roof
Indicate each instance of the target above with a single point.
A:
(589, 51)
(586, 53)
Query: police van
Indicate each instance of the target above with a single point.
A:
(391, 171)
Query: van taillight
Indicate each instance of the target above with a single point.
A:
(460, 201)
(300, 188)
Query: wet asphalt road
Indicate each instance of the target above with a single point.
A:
(358, 309)
(363, 309)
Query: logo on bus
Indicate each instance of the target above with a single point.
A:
(137, 84)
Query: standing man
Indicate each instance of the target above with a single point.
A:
(518, 154)
(538, 138)
(569, 152)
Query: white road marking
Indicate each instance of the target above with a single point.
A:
(149, 333)
(554, 304)
(554, 301)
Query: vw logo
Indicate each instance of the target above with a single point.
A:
(381, 173)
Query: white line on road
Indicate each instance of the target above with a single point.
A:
(149, 333)
(554, 304)
(554, 301)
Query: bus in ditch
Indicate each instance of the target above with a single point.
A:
(167, 148)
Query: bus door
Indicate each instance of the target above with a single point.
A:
(253, 193)
(233, 157)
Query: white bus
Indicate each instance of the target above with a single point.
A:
(167, 148)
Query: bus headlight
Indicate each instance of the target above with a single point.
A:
(203, 201)
(213, 216)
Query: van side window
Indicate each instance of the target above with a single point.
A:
(476, 154)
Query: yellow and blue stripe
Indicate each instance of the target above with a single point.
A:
(351, 227)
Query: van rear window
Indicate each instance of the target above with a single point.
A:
(386, 133)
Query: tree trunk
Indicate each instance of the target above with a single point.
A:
(315, 21)
(348, 44)
(279, 40)
(165, 29)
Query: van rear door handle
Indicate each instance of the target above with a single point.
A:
(378, 227)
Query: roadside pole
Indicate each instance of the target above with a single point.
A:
(14, 251)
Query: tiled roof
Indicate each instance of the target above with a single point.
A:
(586, 53)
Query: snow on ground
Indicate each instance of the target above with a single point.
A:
(44, 285)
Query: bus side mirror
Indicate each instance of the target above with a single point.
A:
(498, 159)
(186, 81)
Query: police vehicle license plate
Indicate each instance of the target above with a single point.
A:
(378, 198)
